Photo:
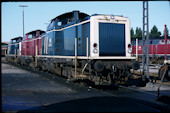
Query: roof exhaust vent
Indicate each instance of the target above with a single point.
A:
(75, 15)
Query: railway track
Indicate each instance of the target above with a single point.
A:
(116, 90)
(87, 81)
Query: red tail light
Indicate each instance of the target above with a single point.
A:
(94, 45)
(129, 45)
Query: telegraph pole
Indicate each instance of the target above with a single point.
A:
(23, 16)
(145, 38)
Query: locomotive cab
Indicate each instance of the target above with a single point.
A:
(111, 35)
(31, 46)
(14, 49)
(110, 45)
(13, 45)
(66, 19)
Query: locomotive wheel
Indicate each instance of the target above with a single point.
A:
(98, 66)
(153, 60)
(160, 61)
(140, 59)
(161, 72)
(135, 65)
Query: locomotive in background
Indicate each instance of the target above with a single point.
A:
(77, 45)
(156, 49)
(159, 53)
(4, 48)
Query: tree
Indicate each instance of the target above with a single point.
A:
(132, 33)
(138, 33)
(167, 32)
(154, 32)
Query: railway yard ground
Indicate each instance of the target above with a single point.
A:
(27, 90)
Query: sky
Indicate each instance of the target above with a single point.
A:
(38, 14)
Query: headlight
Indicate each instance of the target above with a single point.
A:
(95, 50)
(130, 50)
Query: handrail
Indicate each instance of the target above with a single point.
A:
(75, 56)
(136, 49)
(87, 54)
(87, 48)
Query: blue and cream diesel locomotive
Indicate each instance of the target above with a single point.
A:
(13, 48)
(97, 46)
(76, 45)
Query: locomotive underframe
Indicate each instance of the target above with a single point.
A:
(111, 70)
(97, 70)
(154, 58)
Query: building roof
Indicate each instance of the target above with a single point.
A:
(4, 43)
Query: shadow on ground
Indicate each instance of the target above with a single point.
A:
(164, 99)
(100, 104)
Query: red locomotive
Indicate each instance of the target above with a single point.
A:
(30, 44)
(156, 50)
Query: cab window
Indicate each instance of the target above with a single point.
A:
(13, 41)
(51, 26)
(29, 36)
(59, 23)
(155, 42)
(162, 42)
(168, 41)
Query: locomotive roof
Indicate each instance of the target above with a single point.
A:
(4, 43)
(16, 38)
(69, 15)
(155, 38)
(32, 32)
